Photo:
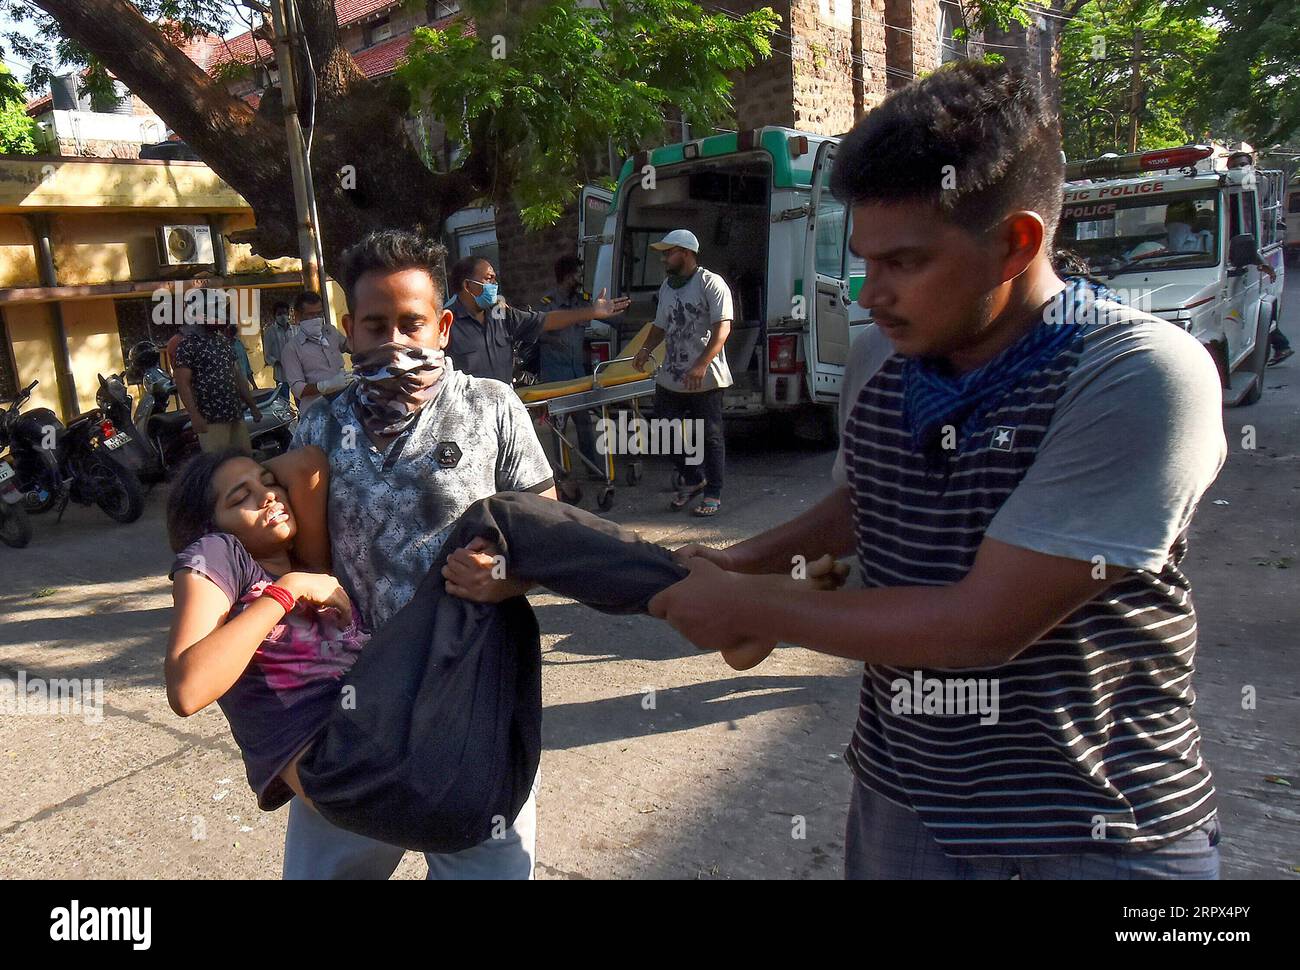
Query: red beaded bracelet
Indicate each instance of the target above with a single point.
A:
(280, 595)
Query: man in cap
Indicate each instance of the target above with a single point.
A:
(694, 319)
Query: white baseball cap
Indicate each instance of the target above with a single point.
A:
(679, 237)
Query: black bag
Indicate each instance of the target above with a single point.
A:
(438, 734)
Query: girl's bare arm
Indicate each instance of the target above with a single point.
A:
(305, 475)
(205, 654)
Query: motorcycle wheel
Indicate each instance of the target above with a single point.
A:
(32, 505)
(15, 530)
(115, 489)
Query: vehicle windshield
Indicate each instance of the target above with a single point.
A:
(1136, 235)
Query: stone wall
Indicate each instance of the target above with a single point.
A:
(764, 94)
(836, 60)
(528, 258)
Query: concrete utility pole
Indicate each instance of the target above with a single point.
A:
(288, 35)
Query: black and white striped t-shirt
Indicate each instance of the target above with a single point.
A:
(1104, 451)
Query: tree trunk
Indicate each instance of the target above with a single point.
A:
(336, 71)
(1135, 93)
(360, 131)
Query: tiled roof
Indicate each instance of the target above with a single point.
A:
(242, 49)
(374, 61)
(380, 60)
(350, 11)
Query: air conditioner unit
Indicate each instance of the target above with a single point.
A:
(184, 245)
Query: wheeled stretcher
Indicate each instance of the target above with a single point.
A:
(616, 381)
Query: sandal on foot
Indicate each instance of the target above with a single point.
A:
(684, 496)
(1280, 356)
(707, 507)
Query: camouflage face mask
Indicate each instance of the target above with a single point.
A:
(394, 382)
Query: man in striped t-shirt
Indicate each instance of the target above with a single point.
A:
(1020, 460)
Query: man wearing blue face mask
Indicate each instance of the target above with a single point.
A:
(485, 330)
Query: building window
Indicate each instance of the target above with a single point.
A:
(378, 32)
(951, 46)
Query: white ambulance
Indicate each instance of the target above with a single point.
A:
(760, 205)
(1183, 233)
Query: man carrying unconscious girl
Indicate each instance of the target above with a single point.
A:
(408, 447)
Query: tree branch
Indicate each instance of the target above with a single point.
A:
(214, 122)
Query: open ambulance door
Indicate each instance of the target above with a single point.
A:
(826, 282)
(593, 209)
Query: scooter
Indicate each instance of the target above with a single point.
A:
(55, 464)
(171, 433)
(137, 454)
(272, 435)
(15, 530)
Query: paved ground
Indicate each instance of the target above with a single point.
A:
(704, 785)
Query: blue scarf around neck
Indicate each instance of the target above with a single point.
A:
(934, 398)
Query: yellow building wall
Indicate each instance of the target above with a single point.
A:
(109, 184)
(106, 248)
(32, 336)
(93, 345)
(17, 253)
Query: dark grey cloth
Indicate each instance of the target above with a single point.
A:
(438, 733)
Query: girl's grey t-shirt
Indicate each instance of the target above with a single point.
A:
(687, 316)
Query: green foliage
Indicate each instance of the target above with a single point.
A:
(1097, 65)
(49, 52)
(565, 81)
(17, 130)
(1254, 74)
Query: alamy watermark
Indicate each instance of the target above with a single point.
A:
(237, 306)
(949, 696)
(57, 695)
(656, 436)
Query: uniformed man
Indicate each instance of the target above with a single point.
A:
(485, 329)
(564, 356)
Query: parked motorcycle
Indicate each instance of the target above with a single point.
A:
(271, 435)
(15, 530)
(55, 464)
(137, 454)
(171, 433)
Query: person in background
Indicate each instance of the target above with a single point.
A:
(485, 330)
(564, 356)
(1279, 347)
(211, 385)
(241, 355)
(1180, 229)
(694, 318)
(312, 356)
(274, 337)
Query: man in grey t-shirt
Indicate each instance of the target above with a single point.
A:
(1021, 460)
(693, 322)
(396, 487)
